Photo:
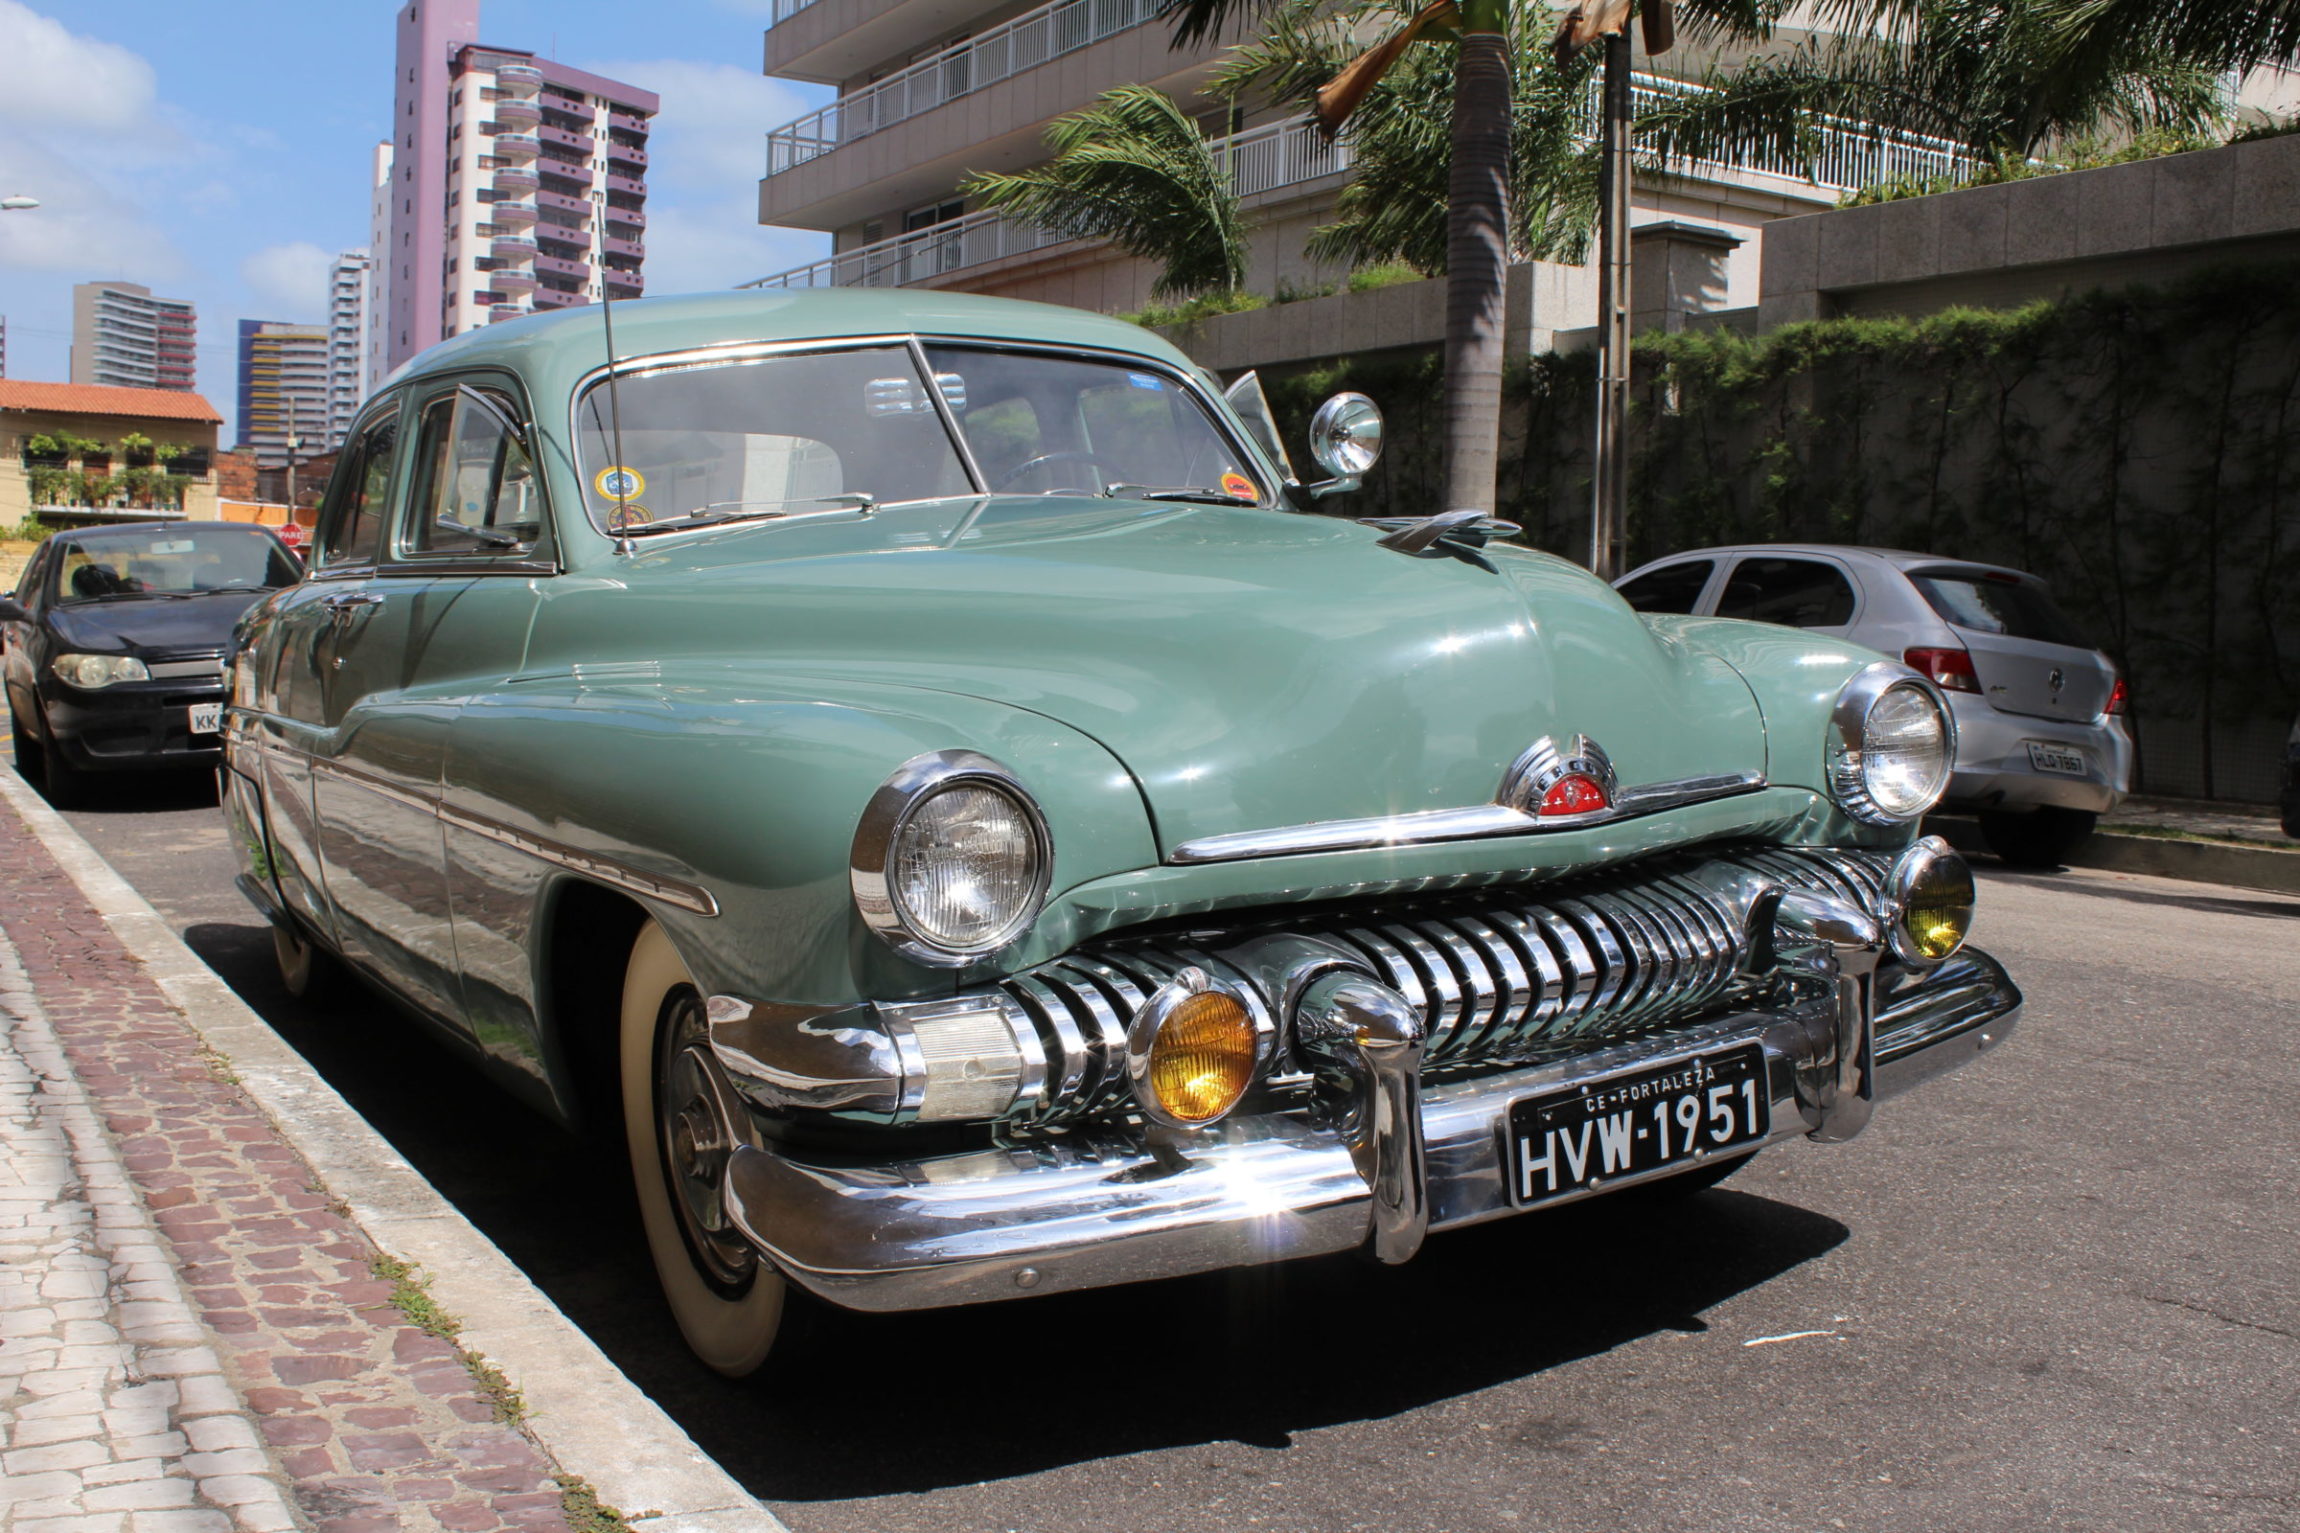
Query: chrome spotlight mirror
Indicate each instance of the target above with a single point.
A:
(1346, 439)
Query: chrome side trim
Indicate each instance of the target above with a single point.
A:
(607, 870)
(1432, 825)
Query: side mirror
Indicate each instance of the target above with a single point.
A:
(1346, 439)
(12, 611)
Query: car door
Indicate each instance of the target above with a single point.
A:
(20, 645)
(1800, 590)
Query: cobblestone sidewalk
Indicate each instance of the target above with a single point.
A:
(192, 1339)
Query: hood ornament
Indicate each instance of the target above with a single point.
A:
(1449, 534)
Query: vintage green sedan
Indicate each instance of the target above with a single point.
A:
(916, 763)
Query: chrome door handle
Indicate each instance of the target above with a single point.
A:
(350, 599)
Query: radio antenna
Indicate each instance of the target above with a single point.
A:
(621, 476)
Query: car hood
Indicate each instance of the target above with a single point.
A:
(161, 625)
(1253, 669)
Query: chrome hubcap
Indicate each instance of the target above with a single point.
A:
(694, 1119)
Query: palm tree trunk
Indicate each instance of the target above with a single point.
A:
(1477, 261)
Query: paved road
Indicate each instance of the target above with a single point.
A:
(2058, 1290)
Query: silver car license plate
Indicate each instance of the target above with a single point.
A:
(2056, 758)
(206, 718)
(1637, 1122)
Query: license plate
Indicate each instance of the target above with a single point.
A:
(2055, 758)
(1637, 1122)
(207, 718)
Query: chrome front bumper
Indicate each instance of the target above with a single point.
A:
(1078, 1211)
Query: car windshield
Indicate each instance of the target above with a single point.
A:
(1044, 423)
(764, 435)
(180, 561)
(2000, 604)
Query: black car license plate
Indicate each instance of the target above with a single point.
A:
(1637, 1122)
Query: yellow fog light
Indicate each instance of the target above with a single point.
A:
(1193, 1051)
(1928, 902)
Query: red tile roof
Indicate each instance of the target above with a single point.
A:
(103, 399)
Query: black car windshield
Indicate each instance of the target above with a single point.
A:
(772, 435)
(1047, 423)
(1998, 604)
(183, 560)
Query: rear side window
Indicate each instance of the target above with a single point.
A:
(355, 523)
(1672, 588)
(1999, 605)
(1801, 593)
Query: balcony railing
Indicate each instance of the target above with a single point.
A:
(1005, 50)
(1848, 155)
(785, 10)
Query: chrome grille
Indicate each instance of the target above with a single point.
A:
(1500, 976)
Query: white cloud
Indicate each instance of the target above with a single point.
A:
(696, 247)
(57, 79)
(291, 280)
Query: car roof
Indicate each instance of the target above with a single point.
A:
(546, 343)
(1902, 559)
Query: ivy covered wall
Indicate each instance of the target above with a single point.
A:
(2140, 449)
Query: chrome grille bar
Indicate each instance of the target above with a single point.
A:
(1499, 976)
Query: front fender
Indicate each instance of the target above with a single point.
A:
(749, 787)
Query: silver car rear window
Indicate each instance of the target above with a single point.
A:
(1998, 605)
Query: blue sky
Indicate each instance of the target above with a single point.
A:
(218, 150)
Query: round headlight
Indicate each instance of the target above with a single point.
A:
(1928, 902)
(1192, 1052)
(1892, 746)
(951, 859)
(100, 670)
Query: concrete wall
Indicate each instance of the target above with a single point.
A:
(2005, 245)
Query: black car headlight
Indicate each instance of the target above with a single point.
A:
(1892, 745)
(92, 671)
(951, 859)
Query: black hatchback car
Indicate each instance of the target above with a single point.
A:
(113, 644)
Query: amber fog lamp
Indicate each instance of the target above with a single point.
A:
(1928, 903)
(1192, 1052)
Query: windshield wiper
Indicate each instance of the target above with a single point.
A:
(720, 512)
(1212, 497)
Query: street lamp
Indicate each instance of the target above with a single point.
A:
(18, 204)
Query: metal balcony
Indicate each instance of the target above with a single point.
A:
(502, 311)
(512, 212)
(629, 186)
(565, 138)
(525, 114)
(552, 298)
(511, 279)
(514, 146)
(519, 79)
(627, 122)
(560, 266)
(623, 247)
(517, 180)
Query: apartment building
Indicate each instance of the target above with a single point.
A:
(932, 89)
(124, 337)
(375, 348)
(283, 396)
(347, 338)
(517, 184)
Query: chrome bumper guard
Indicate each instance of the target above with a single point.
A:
(1083, 1210)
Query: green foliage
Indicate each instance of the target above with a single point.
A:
(1190, 311)
(1368, 279)
(59, 445)
(1132, 169)
(585, 1512)
(51, 484)
(2088, 154)
(29, 530)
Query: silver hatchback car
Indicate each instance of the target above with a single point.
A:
(2042, 750)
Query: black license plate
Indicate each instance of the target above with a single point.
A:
(1637, 1122)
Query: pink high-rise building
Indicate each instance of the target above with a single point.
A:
(516, 183)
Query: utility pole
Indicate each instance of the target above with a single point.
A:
(1609, 511)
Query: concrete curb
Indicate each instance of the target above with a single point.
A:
(589, 1417)
(2211, 862)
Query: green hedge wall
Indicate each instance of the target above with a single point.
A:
(2139, 448)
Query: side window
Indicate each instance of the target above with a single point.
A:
(28, 584)
(475, 487)
(354, 522)
(1802, 593)
(1672, 588)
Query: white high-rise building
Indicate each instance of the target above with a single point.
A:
(347, 337)
(375, 351)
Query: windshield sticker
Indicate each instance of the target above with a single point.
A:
(629, 514)
(1144, 381)
(1235, 483)
(616, 482)
(179, 546)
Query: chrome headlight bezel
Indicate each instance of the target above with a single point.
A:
(1903, 885)
(70, 669)
(878, 838)
(1846, 768)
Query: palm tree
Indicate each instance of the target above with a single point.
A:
(1134, 170)
(1991, 76)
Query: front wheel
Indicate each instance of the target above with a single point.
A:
(2042, 838)
(308, 971)
(678, 1120)
(65, 784)
(27, 749)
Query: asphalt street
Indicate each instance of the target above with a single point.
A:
(2060, 1289)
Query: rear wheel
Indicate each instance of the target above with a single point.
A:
(2042, 838)
(678, 1120)
(308, 971)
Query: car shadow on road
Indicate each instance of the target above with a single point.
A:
(873, 1405)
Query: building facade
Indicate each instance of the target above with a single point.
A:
(77, 453)
(124, 337)
(375, 350)
(516, 183)
(347, 335)
(283, 398)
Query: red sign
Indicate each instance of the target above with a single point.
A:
(295, 535)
